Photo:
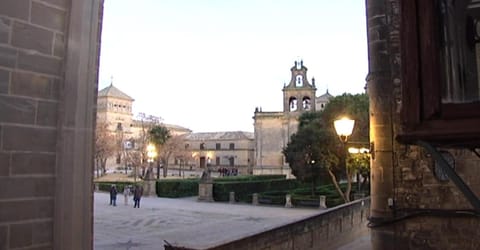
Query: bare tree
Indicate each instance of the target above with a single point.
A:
(174, 146)
(104, 147)
(147, 122)
(183, 155)
(133, 158)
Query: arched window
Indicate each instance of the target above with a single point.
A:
(292, 104)
(306, 102)
(299, 81)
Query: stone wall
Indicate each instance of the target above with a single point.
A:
(334, 228)
(48, 65)
(404, 187)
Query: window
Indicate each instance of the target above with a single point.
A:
(293, 104)
(231, 161)
(299, 81)
(202, 146)
(306, 103)
(217, 161)
(440, 83)
(187, 146)
(231, 146)
(217, 146)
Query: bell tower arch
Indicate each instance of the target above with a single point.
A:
(299, 94)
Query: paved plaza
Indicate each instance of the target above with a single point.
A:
(187, 222)
(182, 222)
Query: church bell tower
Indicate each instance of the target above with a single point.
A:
(299, 94)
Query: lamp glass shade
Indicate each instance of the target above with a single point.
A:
(150, 147)
(344, 126)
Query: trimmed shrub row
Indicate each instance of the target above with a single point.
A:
(105, 186)
(250, 178)
(302, 196)
(244, 190)
(177, 188)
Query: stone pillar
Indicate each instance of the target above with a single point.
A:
(384, 73)
(288, 201)
(255, 199)
(380, 90)
(149, 188)
(231, 197)
(77, 88)
(323, 202)
(205, 191)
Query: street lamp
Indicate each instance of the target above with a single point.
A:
(151, 154)
(344, 128)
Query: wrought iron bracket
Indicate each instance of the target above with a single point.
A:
(450, 172)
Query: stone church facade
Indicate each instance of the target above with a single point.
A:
(272, 130)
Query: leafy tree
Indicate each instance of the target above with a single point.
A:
(309, 150)
(360, 163)
(104, 146)
(159, 135)
(355, 107)
(315, 146)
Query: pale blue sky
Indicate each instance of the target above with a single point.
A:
(206, 64)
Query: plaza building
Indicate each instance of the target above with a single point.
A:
(114, 108)
(272, 130)
(232, 150)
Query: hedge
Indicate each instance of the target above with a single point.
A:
(244, 190)
(249, 178)
(105, 186)
(177, 188)
(302, 196)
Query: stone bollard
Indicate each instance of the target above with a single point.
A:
(149, 188)
(255, 199)
(323, 202)
(232, 197)
(288, 201)
(205, 191)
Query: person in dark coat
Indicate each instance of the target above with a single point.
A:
(113, 195)
(137, 195)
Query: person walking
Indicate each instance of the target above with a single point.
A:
(126, 193)
(113, 195)
(137, 195)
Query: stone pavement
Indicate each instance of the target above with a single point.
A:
(182, 222)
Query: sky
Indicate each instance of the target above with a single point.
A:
(207, 64)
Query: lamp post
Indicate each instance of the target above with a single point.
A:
(151, 154)
(344, 128)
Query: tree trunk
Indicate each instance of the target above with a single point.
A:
(349, 186)
(103, 165)
(165, 169)
(335, 183)
(314, 185)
